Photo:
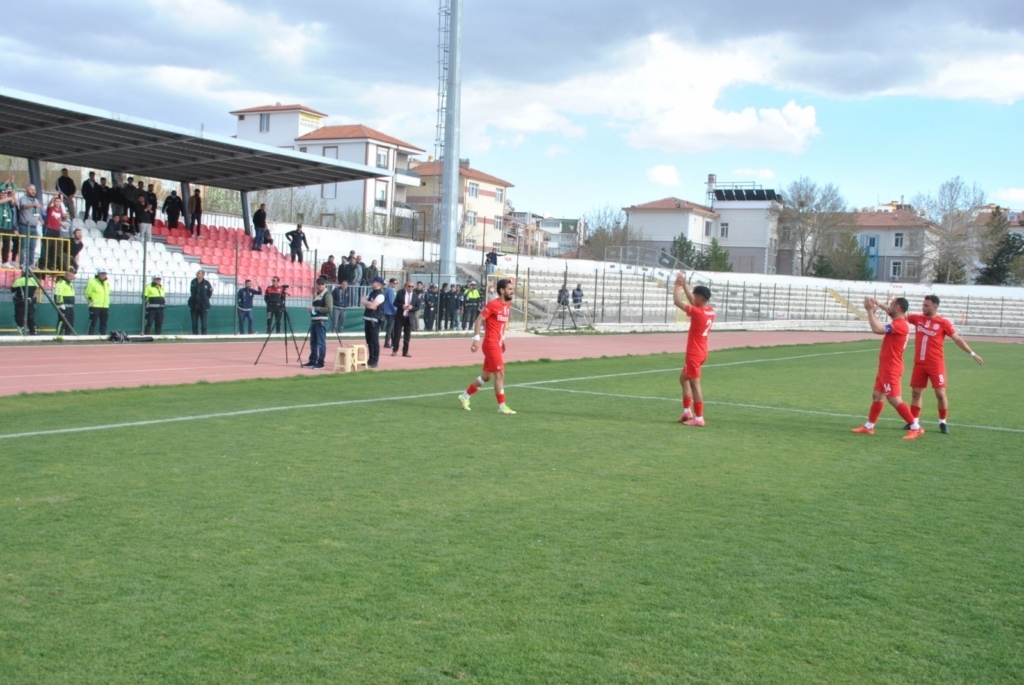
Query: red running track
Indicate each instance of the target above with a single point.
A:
(52, 368)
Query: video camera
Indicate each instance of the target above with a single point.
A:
(276, 301)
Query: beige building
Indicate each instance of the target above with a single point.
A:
(482, 204)
(897, 243)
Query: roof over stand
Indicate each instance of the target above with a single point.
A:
(35, 127)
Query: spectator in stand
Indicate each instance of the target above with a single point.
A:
(259, 227)
(64, 298)
(329, 270)
(91, 195)
(359, 277)
(492, 261)
(275, 299)
(30, 209)
(24, 291)
(156, 300)
(56, 214)
(103, 198)
(340, 297)
(115, 229)
(97, 296)
(371, 272)
(199, 301)
(577, 296)
(296, 239)
(77, 245)
(243, 301)
(389, 311)
(144, 213)
(8, 222)
(173, 208)
(67, 189)
(347, 270)
(130, 199)
(195, 213)
(115, 199)
(152, 199)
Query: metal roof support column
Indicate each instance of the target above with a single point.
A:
(35, 176)
(246, 213)
(186, 194)
(450, 183)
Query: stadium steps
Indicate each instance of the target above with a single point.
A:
(847, 305)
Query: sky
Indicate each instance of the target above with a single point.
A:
(582, 105)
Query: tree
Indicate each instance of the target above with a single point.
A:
(717, 258)
(1002, 251)
(956, 240)
(607, 227)
(843, 258)
(810, 216)
(292, 205)
(686, 252)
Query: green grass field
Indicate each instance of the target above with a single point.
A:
(589, 539)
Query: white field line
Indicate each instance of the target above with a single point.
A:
(754, 406)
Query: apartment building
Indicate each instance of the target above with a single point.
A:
(381, 202)
(482, 204)
(661, 221)
(897, 242)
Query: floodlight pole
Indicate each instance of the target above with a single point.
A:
(450, 173)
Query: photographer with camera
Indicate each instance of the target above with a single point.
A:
(320, 312)
(373, 314)
(275, 297)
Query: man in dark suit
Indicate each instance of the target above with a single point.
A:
(91, 195)
(407, 303)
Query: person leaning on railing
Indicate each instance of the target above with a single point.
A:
(8, 238)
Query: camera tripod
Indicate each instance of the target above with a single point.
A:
(287, 329)
(565, 311)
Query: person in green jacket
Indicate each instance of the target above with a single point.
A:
(24, 289)
(155, 301)
(64, 296)
(97, 295)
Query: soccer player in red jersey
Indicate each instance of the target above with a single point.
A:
(495, 315)
(702, 317)
(889, 380)
(929, 360)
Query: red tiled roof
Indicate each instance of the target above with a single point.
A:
(672, 204)
(355, 131)
(278, 108)
(897, 219)
(435, 168)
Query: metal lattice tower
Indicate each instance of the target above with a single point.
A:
(444, 14)
(449, 111)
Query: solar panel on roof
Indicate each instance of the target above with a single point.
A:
(771, 195)
(760, 195)
(751, 195)
(720, 195)
(729, 195)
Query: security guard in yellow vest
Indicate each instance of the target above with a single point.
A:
(64, 296)
(473, 300)
(24, 289)
(155, 301)
(97, 294)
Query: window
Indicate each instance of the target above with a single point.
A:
(897, 240)
(498, 222)
(329, 191)
(910, 270)
(382, 196)
(241, 117)
(708, 228)
(471, 244)
(471, 218)
(499, 195)
(786, 234)
(474, 189)
(327, 220)
(264, 123)
(872, 242)
(725, 230)
(496, 246)
(896, 271)
(382, 158)
(302, 149)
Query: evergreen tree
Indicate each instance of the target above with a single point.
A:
(1003, 263)
(686, 252)
(717, 258)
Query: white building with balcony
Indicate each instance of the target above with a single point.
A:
(379, 201)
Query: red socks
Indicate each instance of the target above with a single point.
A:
(916, 411)
(942, 414)
(501, 397)
(698, 409)
(687, 401)
(876, 411)
(904, 411)
(471, 390)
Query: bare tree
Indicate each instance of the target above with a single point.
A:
(812, 217)
(607, 227)
(292, 205)
(957, 242)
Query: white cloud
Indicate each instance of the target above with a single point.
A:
(556, 150)
(1009, 195)
(762, 174)
(996, 77)
(663, 175)
(207, 85)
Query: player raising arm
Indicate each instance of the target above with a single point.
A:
(889, 380)
(929, 359)
(495, 315)
(702, 317)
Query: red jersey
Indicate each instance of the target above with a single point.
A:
(496, 320)
(931, 334)
(701, 320)
(890, 358)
